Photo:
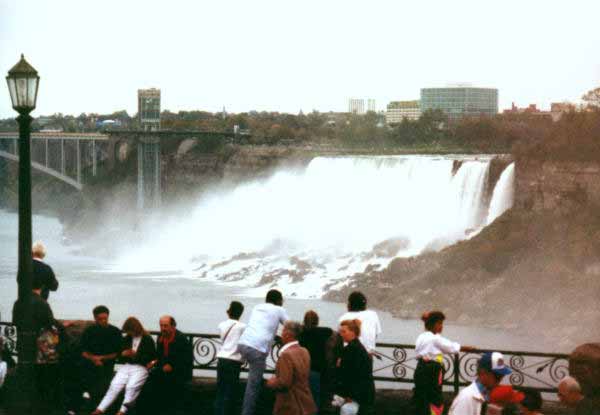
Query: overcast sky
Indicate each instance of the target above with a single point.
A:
(285, 56)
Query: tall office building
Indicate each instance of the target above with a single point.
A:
(461, 101)
(356, 106)
(149, 109)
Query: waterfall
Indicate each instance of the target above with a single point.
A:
(304, 231)
(502, 198)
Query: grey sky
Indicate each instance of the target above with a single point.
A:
(285, 56)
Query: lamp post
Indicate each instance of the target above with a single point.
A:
(23, 82)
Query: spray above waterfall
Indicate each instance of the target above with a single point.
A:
(309, 231)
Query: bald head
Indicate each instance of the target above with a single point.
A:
(569, 391)
(167, 325)
(38, 250)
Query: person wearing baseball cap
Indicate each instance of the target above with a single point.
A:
(490, 371)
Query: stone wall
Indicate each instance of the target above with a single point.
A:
(557, 186)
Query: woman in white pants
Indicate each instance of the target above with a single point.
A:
(138, 350)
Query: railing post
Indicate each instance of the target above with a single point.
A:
(456, 373)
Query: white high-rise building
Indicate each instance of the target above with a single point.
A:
(356, 106)
(371, 106)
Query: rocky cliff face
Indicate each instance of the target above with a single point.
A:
(548, 186)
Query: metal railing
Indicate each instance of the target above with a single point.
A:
(395, 362)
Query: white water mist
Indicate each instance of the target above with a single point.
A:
(306, 231)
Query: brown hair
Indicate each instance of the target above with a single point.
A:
(430, 318)
(133, 325)
(353, 325)
(311, 319)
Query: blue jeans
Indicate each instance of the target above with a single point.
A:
(315, 388)
(228, 378)
(257, 362)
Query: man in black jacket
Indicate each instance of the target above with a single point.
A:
(169, 372)
(93, 365)
(42, 272)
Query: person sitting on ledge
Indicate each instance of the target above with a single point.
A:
(100, 346)
(138, 351)
(169, 372)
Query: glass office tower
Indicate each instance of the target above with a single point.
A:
(460, 102)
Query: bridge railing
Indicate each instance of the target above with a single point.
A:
(395, 363)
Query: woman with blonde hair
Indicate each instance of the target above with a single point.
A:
(138, 351)
(356, 385)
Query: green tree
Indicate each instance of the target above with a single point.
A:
(592, 98)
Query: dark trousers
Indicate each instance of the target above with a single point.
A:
(314, 380)
(86, 377)
(162, 394)
(428, 398)
(48, 387)
(228, 380)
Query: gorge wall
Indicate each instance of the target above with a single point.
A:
(551, 185)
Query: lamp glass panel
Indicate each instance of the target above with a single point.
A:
(32, 91)
(12, 88)
(22, 92)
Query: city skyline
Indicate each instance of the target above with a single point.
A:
(278, 57)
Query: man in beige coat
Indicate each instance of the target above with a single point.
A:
(291, 376)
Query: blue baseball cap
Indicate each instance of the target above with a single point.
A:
(494, 362)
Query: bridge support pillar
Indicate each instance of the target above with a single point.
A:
(78, 162)
(62, 157)
(94, 164)
(46, 150)
(149, 174)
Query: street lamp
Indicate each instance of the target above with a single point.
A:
(23, 82)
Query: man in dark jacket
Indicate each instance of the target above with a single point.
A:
(169, 372)
(42, 272)
(99, 347)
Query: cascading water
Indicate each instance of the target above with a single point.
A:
(308, 231)
(502, 198)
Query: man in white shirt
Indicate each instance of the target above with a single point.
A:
(370, 327)
(229, 360)
(490, 371)
(256, 341)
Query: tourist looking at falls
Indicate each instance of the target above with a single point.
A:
(229, 360)
(430, 348)
(319, 341)
(43, 272)
(370, 327)
(255, 343)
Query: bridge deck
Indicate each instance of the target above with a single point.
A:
(58, 136)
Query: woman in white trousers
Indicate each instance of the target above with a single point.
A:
(138, 351)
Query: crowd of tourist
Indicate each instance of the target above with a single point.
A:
(317, 367)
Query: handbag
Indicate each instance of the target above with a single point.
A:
(47, 346)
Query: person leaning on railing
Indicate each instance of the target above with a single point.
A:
(429, 374)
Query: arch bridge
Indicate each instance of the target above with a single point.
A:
(64, 156)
